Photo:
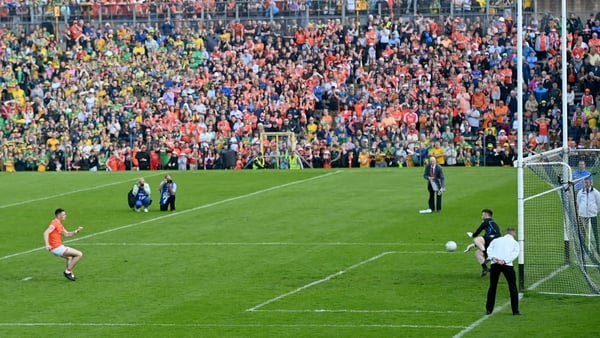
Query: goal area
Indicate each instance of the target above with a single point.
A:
(560, 253)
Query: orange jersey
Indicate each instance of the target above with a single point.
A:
(55, 237)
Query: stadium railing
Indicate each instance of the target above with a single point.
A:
(288, 12)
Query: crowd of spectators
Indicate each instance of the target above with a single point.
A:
(390, 92)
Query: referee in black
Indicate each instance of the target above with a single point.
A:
(502, 252)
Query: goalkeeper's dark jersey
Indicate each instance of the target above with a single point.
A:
(492, 231)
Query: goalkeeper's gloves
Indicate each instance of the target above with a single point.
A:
(470, 234)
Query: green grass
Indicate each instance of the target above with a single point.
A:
(265, 254)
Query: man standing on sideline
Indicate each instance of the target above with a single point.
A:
(579, 174)
(141, 191)
(502, 252)
(167, 189)
(492, 231)
(588, 204)
(436, 184)
(53, 240)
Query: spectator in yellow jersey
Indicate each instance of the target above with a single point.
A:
(311, 128)
(364, 158)
(438, 152)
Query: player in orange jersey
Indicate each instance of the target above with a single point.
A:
(53, 239)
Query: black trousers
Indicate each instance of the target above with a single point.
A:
(511, 279)
(170, 205)
(594, 221)
(435, 199)
(583, 230)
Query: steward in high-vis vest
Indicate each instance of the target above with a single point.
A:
(258, 162)
(295, 161)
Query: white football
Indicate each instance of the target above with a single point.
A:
(451, 246)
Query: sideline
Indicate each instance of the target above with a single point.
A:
(363, 311)
(200, 207)
(4, 206)
(224, 325)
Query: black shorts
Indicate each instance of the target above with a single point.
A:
(488, 240)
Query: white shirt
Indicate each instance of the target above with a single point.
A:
(504, 248)
(571, 98)
(236, 112)
(385, 35)
(588, 202)
(136, 188)
(516, 124)
(90, 101)
(200, 107)
(473, 117)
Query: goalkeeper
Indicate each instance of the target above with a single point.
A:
(492, 231)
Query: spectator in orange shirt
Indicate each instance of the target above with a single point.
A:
(478, 100)
(326, 120)
(488, 117)
(371, 36)
(389, 120)
(501, 111)
(543, 123)
(53, 241)
(300, 37)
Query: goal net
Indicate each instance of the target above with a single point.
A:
(277, 147)
(560, 246)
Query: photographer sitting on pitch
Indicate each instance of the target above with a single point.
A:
(141, 191)
(167, 188)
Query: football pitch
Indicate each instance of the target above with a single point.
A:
(313, 253)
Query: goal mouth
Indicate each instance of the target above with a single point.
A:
(277, 148)
(560, 239)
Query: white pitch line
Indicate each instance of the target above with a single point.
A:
(483, 319)
(362, 311)
(568, 294)
(532, 287)
(205, 206)
(550, 276)
(3, 206)
(318, 281)
(217, 325)
(265, 244)
(472, 326)
(256, 244)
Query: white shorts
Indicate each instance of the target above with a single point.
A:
(59, 251)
